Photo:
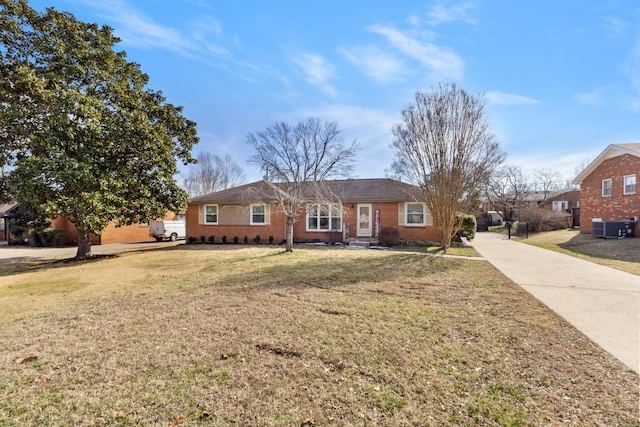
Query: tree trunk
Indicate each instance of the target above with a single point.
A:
(84, 245)
(289, 235)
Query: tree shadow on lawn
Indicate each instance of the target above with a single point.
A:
(285, 271)
(627, 249)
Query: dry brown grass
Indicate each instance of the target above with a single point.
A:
(621, 254)
(204, 335)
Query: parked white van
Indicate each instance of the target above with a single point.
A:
(172, 230)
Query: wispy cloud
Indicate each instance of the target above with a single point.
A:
(318, 71)
(374, 62)
(137, 29)
(614, 26)
(441, 63)
(369, 126)
(501, 98)
(632, 69)
(441, 14)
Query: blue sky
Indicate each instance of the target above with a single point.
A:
(561, 78)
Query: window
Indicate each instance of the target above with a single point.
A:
(211, 214)
(324, 217)
(629, 184)
(258, 214)
(606, 188)
(415, 214)
(560, 206)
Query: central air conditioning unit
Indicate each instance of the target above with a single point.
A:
(612, 229)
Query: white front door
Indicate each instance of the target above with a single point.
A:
(364, 220)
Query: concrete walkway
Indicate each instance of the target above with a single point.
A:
(601, 302)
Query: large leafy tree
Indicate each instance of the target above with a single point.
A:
(297, 159)
(444, 145)
(83, 136)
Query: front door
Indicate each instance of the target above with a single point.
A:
(364, 220)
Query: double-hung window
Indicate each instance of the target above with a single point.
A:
(560, 206)
(415, 214)
(629, 184)
(606, 188)
(211, 214)
(324, 217)
(258, 214)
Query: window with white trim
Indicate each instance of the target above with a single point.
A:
(415, 214)
(210, 214)
(258, 214)
(606, 188)
(324, 217)
(560, 206)
(629, 184)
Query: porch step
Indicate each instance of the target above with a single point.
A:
(363, 242)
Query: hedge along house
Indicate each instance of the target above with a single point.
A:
(355, 209)
(608, 187)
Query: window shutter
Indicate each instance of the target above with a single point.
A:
(200, 214)
(267, 214)
(428, 220)
(401, 215)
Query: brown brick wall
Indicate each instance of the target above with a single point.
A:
(275, 228)
(388, 218)
(111, 234)
(618, 206)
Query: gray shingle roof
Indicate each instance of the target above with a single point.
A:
(348, 190)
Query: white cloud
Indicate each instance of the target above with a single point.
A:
(501, 98)
(459, 12)
(374, 62)
(370, 127)
(318, 71)
(614, 26)
(441, 63)
(137, 29)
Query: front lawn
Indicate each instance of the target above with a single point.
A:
(241, 335)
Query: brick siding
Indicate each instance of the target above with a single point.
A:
(276, 228)
(616, 207)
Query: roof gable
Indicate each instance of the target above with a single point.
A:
(348, 190)
(612, 150)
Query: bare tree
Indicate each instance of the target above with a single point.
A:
(548, 180)
(444, 146)
(212, 173)
(297, 159)
(507, 191)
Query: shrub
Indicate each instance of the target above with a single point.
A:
(389, 236)
(544, 220)
(246, 240)
(468, 229)
(191, 239)
(235, 239)
(202, 239)
(212, 239)
(256, 239)
(271, 240)
(224, 239)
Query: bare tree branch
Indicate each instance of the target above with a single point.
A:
(212, 173)
(297, 159)
(444, 146)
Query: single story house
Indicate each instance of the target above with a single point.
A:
(357, 209)
(608, 187)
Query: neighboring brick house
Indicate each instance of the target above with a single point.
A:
(362, 207)
(111, 234)
(565, 201)
(608, 187)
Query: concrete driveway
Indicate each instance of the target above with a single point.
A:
(601, 302)
(16, 253)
